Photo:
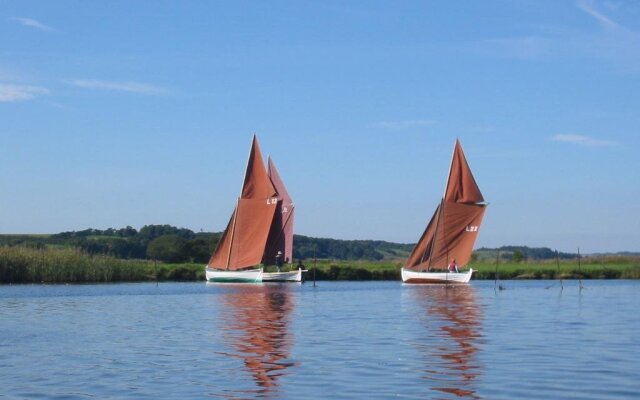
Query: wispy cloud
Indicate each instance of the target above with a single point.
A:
(584, 140)
(590, 8)
(32, 23)
(524, 47)
(403, 124)
(11, 93)
(131, 87)
(608, 40)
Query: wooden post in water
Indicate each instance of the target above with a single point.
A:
(314, 265)
(495, 283)
(579, 270)
(558, 264)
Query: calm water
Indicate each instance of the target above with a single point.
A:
(342, 340)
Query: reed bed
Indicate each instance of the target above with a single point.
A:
(590, 268)
(70, 265)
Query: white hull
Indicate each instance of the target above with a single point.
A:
(409, 276)
(290, 276)
(251, 276)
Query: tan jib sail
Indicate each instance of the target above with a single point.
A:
(454, 227)
(243, 242)
(281, 236)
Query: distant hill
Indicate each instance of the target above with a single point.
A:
(169, 243)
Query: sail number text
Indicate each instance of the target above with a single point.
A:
(471, 228)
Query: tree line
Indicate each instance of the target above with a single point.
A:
(171, 244)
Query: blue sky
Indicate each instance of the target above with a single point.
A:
(131, 113)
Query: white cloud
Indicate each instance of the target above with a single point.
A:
(131, 87)
(608, 41)
(589, 8)
(524, 47)
(32, 23)
(10, 93)
(404, 124)
(583, 140)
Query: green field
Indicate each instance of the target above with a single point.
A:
(20, 264)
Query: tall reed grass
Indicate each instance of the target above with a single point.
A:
(70, 265)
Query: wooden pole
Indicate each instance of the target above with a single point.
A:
(579, 270)
(495, 284)
(558, 264)
(314, 265)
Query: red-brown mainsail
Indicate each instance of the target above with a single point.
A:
(243, 242)
(454, 227)
(281, 236)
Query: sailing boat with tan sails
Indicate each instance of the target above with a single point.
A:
(452, 231)
(257, 229)
(280, 243)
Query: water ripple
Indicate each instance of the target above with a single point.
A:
(377, 340)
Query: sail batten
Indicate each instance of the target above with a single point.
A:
(453, 228)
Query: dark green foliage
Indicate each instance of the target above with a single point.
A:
(168, 248)
(150, 232)
(517, 256)
(358, 272)
(126, 243)
(307, 248)
(183, 273)
(199, 249)
(523, 252)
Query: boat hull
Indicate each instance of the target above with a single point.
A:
(246, 276)
(289, 276)
(409, 276)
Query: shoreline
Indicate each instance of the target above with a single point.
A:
(25, 265)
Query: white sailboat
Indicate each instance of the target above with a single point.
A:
(260, 228)
(280, 243)
(240, 251)
(452, 231)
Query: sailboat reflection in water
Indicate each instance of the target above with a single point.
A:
(454, 327)
(257, 323)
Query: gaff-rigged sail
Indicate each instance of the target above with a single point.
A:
(281, 236)
(243, 242)
(454, 227)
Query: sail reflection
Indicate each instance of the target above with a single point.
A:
(453, 320)
(256, 325)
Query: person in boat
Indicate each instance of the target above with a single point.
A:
(279, 261)
(300, 265)
(453, 266)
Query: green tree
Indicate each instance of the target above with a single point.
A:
(168, 248)
(517, 256)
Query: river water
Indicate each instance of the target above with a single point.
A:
(356, 340)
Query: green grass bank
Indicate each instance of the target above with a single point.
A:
(68, 265)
